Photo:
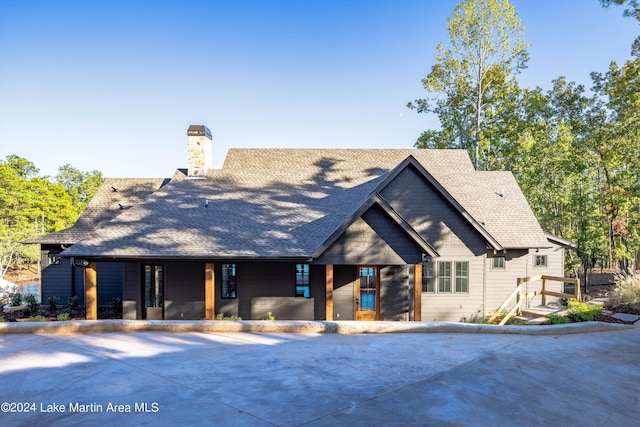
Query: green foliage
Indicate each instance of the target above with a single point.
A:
(37, 319)
(575, 154)
(222, 316)
(474, 74)
(269, 316)
(16, 299)
(555, 319)
(30, 299)
(627, 289)
(52, 302)
(63, 316)
(31, 205)
(73, 302)
(583, 312)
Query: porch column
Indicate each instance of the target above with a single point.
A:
(329, 292)
(209, 291)
(91, 292)
(417, 292)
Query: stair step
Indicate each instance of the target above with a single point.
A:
(532, 320)
(541, 311)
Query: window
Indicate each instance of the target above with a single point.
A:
(445, 274)
(498, 263)
(541, 260)
(153, 286)
(54, 259)
(462, 276)
(428, 277)
(302, 281)
(229, 281)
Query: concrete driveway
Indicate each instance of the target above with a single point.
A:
(284, 379)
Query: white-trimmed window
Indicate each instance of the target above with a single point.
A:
(462, 277)
(499, 263)
(541, 261)
(445, 277)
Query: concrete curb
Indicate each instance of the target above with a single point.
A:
(284, 326)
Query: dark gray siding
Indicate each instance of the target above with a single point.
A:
(319, 291)
(394, 292)
(344, 278)
(55, 279)
(422, 206)
(132, 292)
(372, 239)
(184, 290)
(264, 286)
(110, 277)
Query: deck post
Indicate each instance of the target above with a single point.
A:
(91, 292)
(417, 292)
(329, 292)
(209, 291)
(577, 289)
(544, 290)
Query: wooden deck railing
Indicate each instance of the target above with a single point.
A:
(521, 296)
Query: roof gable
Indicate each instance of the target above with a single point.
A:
(392, 215)
(413, 163)
(281, 203)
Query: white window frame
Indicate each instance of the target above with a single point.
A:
(435, 284)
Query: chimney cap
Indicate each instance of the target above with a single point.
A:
(199, 130)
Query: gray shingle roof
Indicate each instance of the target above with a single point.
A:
(288, 202)
(113, 197)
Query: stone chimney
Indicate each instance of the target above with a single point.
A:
(199, 146)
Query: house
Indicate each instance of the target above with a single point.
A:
(337, 234)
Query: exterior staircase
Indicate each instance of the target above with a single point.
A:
(514, 306)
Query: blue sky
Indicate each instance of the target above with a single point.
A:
(113, 85)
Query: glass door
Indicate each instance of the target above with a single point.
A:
(153, 292)
(367, 293)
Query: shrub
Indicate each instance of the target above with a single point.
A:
(555, 319)
(73, 302)
(63, 316)
(52, 302)
(16, 299)
(37, 319)
(222, 316)
(627, 289)
(583, 312)
(269, 316)
(30, 299)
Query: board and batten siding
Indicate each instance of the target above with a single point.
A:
(263, 287)
(132, 292)
(395, 292)
(110, 277)
(344, 279)
(184, 290)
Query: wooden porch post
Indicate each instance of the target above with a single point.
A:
(91, 292)
(417, 292)
(329, 292)
(209, 291)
